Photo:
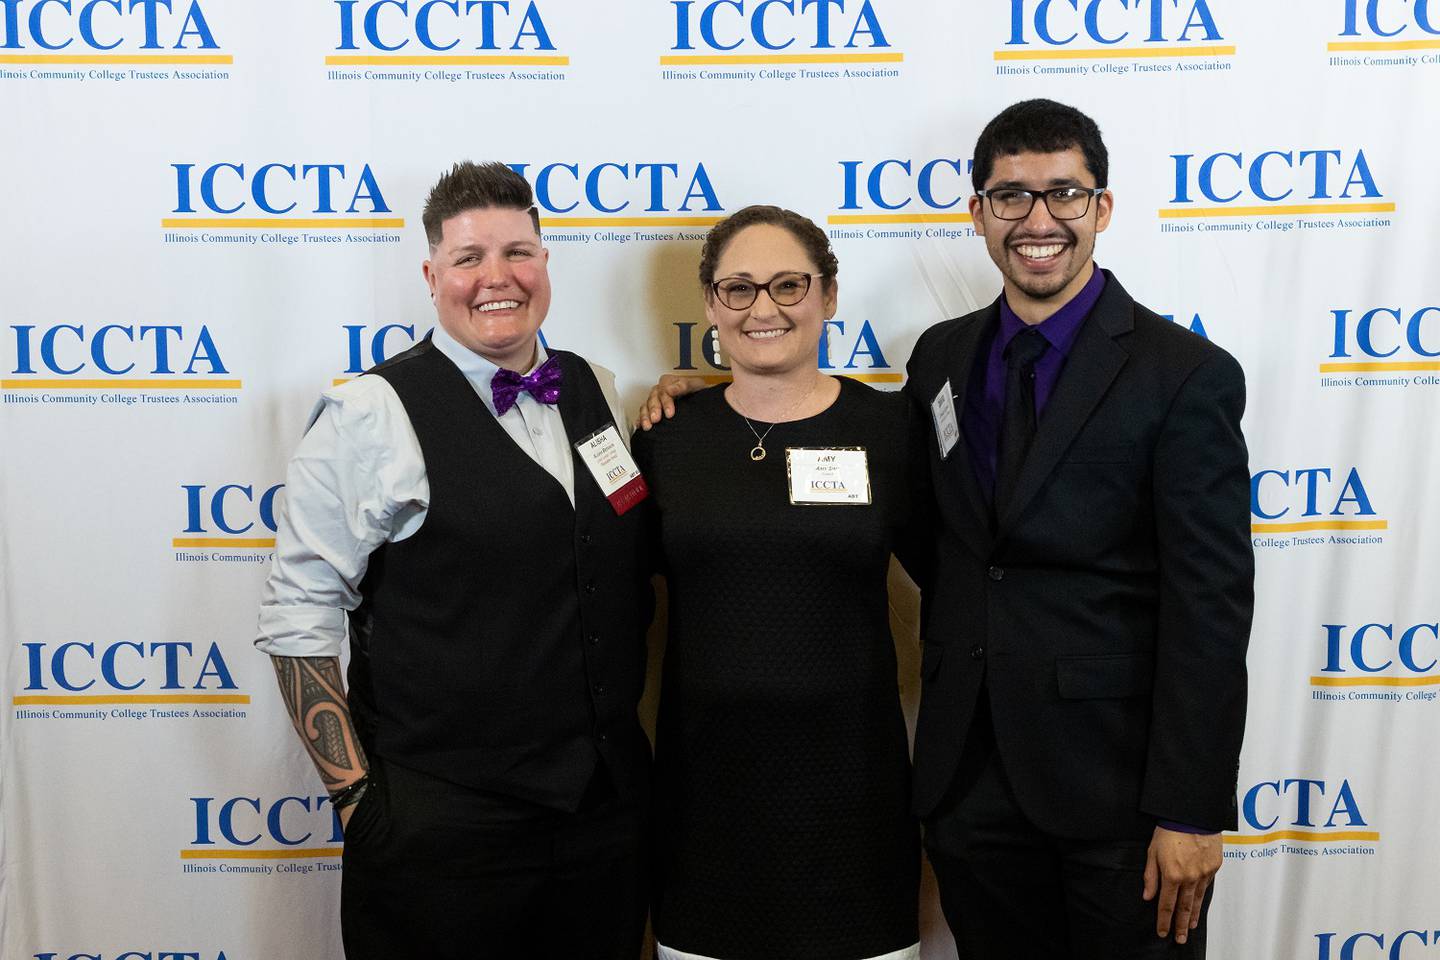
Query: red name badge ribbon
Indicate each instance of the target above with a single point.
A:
(610, 463)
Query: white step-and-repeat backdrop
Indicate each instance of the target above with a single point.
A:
(211, 213)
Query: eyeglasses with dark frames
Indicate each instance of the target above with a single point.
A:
(784, 289)
(1064, 203)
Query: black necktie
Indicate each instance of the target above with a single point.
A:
(1017, 423)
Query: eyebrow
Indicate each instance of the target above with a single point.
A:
(743, 275)
(1021, 185)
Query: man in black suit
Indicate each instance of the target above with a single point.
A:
(1085, 629)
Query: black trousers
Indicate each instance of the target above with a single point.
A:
(440, 871)
(1012, 892)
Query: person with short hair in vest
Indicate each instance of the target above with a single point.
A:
(468, 512)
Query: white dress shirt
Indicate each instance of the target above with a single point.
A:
(358, 481)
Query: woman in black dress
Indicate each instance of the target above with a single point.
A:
(782, 792)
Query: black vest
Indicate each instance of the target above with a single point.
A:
(502, 646)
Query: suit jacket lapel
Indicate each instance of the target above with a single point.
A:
(961, 470)
(1091, 367)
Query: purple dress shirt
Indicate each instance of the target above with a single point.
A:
(985, 395)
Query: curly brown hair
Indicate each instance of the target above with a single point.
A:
(802, 228)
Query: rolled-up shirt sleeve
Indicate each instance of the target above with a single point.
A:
(357, 481)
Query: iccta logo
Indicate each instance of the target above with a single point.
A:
(130, 366)
(269, 836)
(369, 345)
(444, 42)
(1385, 945)
(283, 203)
(109, 41)
(230, 524)
(1310, 506)
(620, 201)
(782, 40)
(1386, 348)
(903, 198)
(1242, 191)
(1303, 817)
(101, 954)
(849, 348)
(126, 680)
(1114, 38)
(1377, 662)
(1386, 33)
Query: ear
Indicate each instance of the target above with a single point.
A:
(428, 273)
(832, 298)
(1104, 205)
(977, 214)
(710, 307)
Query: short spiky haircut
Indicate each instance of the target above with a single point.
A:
(1039, 126)
(475, 186)
(802, 228)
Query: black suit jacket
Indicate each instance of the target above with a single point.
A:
(1109, 614)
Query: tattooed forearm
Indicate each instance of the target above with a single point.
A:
(315, 699)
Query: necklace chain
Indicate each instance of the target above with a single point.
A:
(757, 452)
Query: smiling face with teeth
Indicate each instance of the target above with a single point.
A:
(489, 279)
(765, 338)
(1045, 261)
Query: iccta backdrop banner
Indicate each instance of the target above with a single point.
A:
(212, 214)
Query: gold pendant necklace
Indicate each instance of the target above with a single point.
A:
(757, 452)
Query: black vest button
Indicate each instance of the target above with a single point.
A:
(977, 654)
(603, 737)
(995, 573)
(599, 689)
(594, 638)
(584, 538)
(590, 588)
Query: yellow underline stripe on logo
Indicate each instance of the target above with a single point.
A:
(1316, 836)
(119, 384)
(286, 223)
(1115, 53)
(1279, 209)
(241, 543)
(1375, 366)
(130, 58)
(713, 378)
(116, 698)
(447, 60)
(1320, 525)
(1374, 681)
(718, 59)
(838, 219)
(1341, 45)
(297, 853)
(659, 221)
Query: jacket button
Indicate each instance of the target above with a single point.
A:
(603, 737)
(599, 689)
(977, 654)
(995, 573)
(584, 538)
(594, 638)
(590, 588)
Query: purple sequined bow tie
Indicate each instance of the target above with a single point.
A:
(543, 385)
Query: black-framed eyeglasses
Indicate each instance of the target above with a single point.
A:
(1064, 203)
(784, 289)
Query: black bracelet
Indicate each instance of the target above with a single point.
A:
(350, 794)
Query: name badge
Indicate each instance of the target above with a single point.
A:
(835, 475)
(947, 427)
(613, 468)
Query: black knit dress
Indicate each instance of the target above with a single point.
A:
(782, 794)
